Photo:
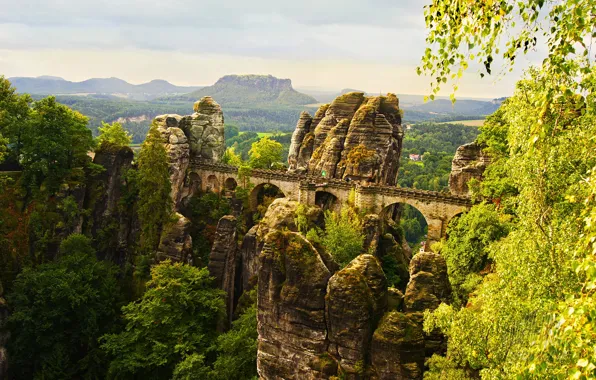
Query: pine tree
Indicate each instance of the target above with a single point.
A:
(155, 204)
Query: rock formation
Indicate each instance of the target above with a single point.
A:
(205, 130)
(222, 259)
(291, 308)
(356, 300)
(469, 162)
(177, 148)
(355, 137)
(429, 284)
(398, 347)
(175, 242)
(197, 136)
(103, 197)
(316, 323)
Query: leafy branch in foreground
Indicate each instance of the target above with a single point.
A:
(461, 32)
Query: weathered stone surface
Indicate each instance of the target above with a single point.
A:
(398, 347)
(291, 309)
(222, 259)
(371, 226)
(281, 214)
(302, 129)
(429, 284)
(175, 243)
(205, 130)
(103, 195)
(395, 299)
(354, 137)
(469, 162)
(389, 247)
(178, 150)
(249, 255)
(356, 299)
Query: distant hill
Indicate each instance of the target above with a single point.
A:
(48, 85)
(251, 91)
(461, 107)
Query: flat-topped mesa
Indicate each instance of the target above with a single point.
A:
(354, 138)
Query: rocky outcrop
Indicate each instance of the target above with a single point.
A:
(356, 300)
(108, 220)
(222, 259)
(429, 284)
(469, 162)
(197, 136)
(205, 130)
(355, 137)
(398, 347)
(317, 324)
(175, 242)
(302, 129)
(281, 214)
(371, 227)
(177, 148)
(291, 309)
(249, 259)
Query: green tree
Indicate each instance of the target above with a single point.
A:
(112, 135)
(466, 251)
(343, 237)
(230, 131)
(169, 330)
(3, 147)
(14, 116)
(265, 153)
(464, 32)
(57, 142)
(231, 158)
(500, 334)
(59, 310)
(155, 203)
(237, 348)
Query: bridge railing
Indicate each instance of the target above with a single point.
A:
(319, 181)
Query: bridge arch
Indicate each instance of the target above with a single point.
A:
(413, 221)
(260, 193)
(326, 200)
(230, 184)
(212, 184)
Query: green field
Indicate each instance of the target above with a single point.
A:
(468, 123)
(261, 134)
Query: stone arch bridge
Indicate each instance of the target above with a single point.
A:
(438, 208)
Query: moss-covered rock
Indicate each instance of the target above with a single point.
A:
(291, 307)
(356, 299)
(398, 347)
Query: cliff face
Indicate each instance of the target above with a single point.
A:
(253, 90)
(469, 162)
(318, 322)
(114, 224)
(355, 137)
(200, 136)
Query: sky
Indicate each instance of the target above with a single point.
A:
(372, 45)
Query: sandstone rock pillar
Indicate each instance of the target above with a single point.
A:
(222, 260)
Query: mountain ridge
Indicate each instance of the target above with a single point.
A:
(50, 85)
(251, 89)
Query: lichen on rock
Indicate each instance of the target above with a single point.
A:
(354, 137)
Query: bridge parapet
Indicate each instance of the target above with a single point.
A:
(281, 175)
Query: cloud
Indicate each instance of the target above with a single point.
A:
(332, 29)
